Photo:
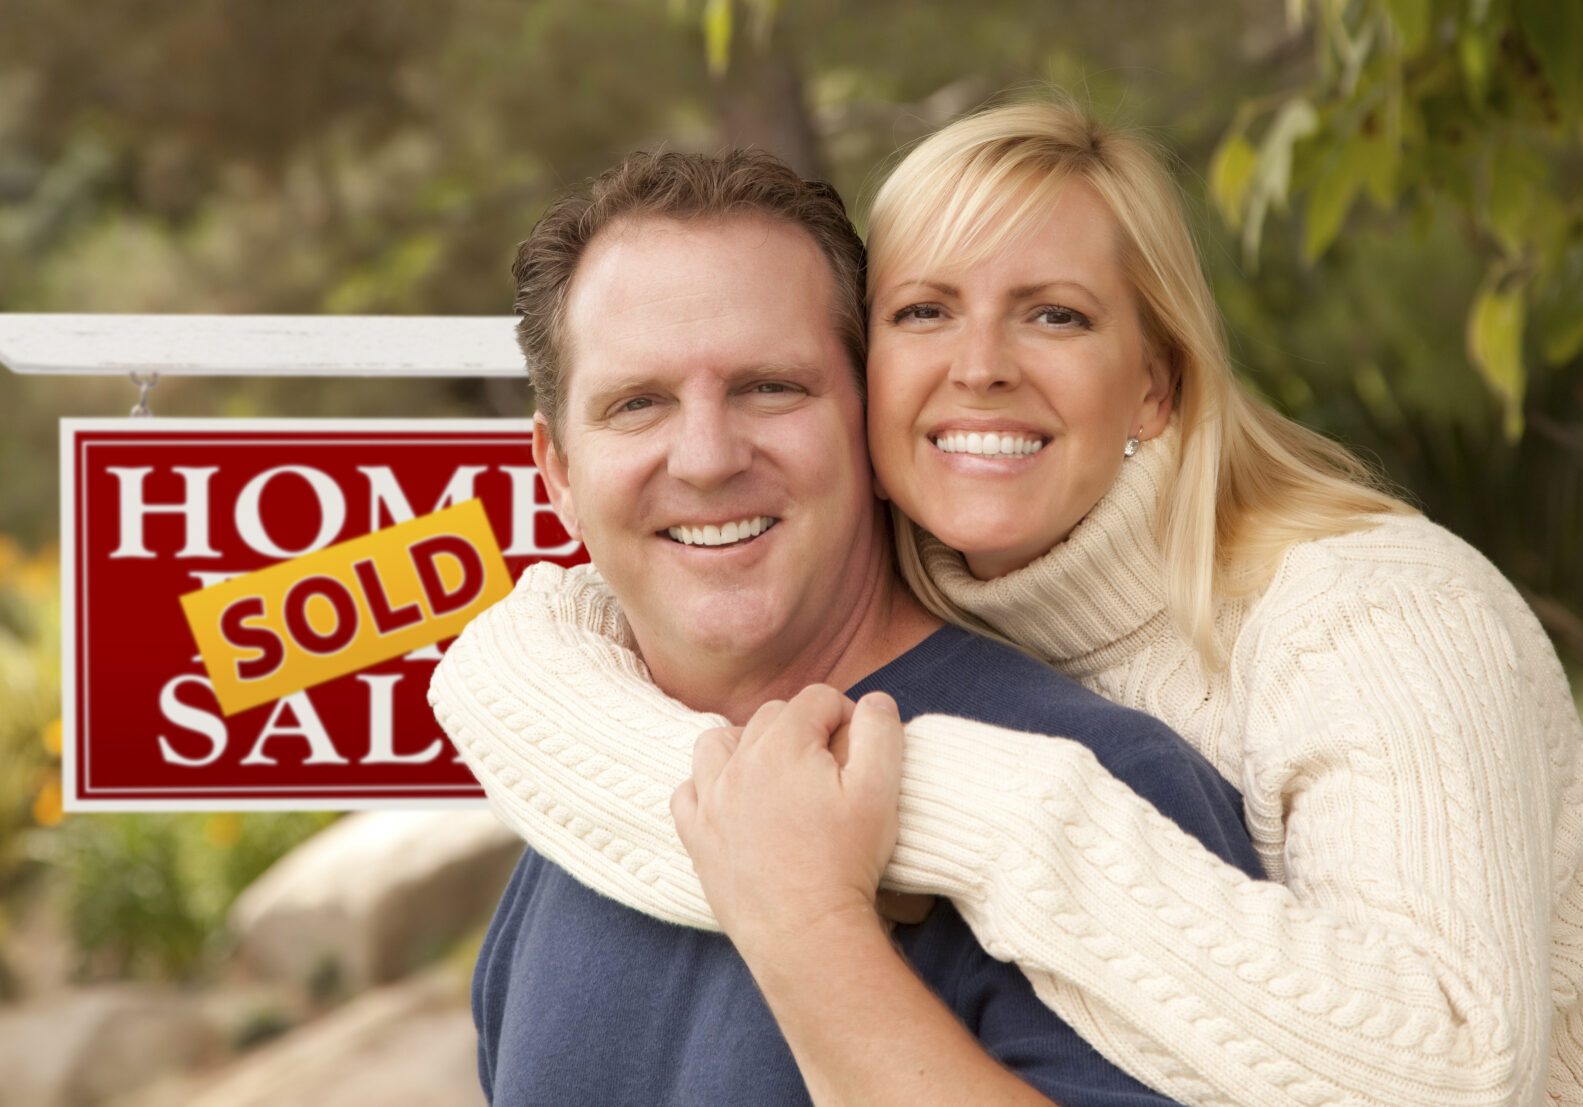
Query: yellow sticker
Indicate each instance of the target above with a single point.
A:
(346, 607)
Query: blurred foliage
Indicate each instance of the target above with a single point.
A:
(148, 893)
(29, 715)
(1423, 105)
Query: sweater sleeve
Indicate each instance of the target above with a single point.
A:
(1403, 961)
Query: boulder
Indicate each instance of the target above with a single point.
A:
(407, 1044)
(79, 1047)
(373, 896)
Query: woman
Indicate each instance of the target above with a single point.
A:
(1051, 402)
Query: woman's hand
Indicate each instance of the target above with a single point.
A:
(794, 818)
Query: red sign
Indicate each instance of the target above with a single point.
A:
(154, 509)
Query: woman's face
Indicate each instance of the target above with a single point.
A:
(1002, 393)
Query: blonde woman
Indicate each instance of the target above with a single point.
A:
(1053, 414)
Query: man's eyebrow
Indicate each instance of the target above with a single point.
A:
(771, 370)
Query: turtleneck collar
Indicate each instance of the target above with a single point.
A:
(1105, 581)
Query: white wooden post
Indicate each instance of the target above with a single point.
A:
(262, 345)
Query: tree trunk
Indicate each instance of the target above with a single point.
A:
(759, 99)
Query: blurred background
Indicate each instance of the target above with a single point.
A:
(1388, 193)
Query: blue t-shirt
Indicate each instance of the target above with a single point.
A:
(579, 1000)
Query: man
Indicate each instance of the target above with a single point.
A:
(695, 331)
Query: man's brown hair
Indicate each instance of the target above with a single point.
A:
(671, 185)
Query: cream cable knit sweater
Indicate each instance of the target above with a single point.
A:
(1403, 735)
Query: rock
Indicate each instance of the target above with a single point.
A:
(409, 1044)
(79, 1047)
(372, 896)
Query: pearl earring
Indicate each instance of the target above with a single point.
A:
(1130, 448)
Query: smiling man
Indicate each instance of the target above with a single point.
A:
(694, 330)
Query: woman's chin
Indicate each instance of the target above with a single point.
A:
(989, 564)
(993, 543)
(988, 560)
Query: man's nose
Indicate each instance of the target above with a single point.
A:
(710, 447)
(983, 360)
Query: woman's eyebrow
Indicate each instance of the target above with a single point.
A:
(910, 283)
(1020, 292)
(1025, 291)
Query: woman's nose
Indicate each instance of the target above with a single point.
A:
(983, 360)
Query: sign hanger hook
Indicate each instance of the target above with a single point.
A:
(144, 385)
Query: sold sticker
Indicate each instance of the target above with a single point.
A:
(343, 608)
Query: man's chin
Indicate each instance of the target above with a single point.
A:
(720, 623)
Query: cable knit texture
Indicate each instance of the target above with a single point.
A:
(1406, 744)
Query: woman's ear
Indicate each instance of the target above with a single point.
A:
(1154, 410)
(557, 480)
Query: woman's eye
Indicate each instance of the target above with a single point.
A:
(917, 312)
(1061, 317)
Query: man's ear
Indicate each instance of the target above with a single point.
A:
(1154, 410)
(557, 480)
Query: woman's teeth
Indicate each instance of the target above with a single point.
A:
(989, 445)
(725, 535)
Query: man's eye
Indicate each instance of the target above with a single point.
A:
(770, 387)
(637, 403)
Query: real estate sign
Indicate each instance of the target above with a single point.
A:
(252, 608)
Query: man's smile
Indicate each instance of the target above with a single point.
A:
(727, 534)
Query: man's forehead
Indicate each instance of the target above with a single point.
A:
(649, 240)
(658, 287)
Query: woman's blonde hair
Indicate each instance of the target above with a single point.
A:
(1249, 482)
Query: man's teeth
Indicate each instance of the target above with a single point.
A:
(712, 535)
(989, 445)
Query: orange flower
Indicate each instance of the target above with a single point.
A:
(47, 807)
(52, 738)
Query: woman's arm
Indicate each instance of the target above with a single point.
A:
(1405, 960)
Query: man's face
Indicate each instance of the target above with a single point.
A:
(712, 458)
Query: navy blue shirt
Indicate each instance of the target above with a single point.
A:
(582, 1001)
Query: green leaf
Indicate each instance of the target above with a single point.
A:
(717, 34)
(1230, 171)
(1332, 196)
(1558, 308)
(1518, 177)
(1412, 21)
(1382, 163)
(1495, 346)
(1272, 171)
(1473, 56)
(1563, 341)
(1554, 31)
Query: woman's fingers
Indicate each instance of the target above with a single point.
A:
(873, 761)
(713, 752)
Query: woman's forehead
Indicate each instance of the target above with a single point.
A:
(975, 223)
